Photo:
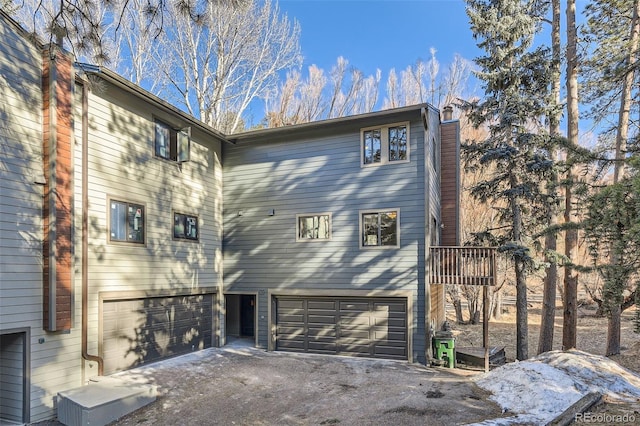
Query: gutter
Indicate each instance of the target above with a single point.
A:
(85, 231)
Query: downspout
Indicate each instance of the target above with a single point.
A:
(85, 231)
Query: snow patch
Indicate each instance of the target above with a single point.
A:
(539, 389)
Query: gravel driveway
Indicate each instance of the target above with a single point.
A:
(241, 385)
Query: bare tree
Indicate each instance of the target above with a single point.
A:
(216, 69)
(83, 27)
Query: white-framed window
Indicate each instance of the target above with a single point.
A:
(384, 144)
(313, 227)
(126, 222)
(172, 144)
(380, 228)
(185, 227)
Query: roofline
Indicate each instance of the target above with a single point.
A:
(327, 122)
(121, 82)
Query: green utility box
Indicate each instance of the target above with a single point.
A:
(444, 350)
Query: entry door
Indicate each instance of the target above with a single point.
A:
(247, 315)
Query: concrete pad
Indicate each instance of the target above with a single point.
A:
(102, 401)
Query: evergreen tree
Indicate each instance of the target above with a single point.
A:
(515, 155)
(614, 28)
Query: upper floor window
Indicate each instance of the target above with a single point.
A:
(126, 222)
(313, 227)
(172, 144)
(386, 144)
(380, 228)
(185, 226)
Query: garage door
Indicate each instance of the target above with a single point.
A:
(139, 331)
(370, 327)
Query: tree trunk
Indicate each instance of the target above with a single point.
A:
(613, 329)
(497, 305)
(454, 293)
(548, 315)
(522, 321)
(570, 320)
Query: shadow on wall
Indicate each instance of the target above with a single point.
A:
(174, 316)
(316, 176)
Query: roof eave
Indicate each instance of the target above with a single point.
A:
(134, 89)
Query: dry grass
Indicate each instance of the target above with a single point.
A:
(591, 334)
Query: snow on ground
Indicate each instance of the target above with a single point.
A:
(539, 389)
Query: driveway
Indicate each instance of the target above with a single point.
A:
(241, 385)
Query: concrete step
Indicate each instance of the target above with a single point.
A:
(102, 401)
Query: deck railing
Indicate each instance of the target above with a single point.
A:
(463, 265)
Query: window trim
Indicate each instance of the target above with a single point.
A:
(384, 144)
(308, 240)
(121, 200)
(179, 143)
(186, 215)
(361, 213)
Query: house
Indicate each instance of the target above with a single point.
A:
(327, 227)
(132, 232)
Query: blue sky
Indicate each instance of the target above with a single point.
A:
(382, 34)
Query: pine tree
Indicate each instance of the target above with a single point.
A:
(515, 155)
(614, 28)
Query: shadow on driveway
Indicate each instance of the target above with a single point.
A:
(242, 385)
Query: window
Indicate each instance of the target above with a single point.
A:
(185, 226)
(172, 144)
(434, 154)
(313, 227)
(380, 228)
(434, 231)
(126, 222)
(383, 145)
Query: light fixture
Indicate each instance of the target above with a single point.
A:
(240, 213)
(272, 212)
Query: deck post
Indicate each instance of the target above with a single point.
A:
(485, 326)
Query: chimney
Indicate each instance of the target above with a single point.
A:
(447, 113)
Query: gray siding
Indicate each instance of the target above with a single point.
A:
(313, 173)
(55, 363)
(123, 166)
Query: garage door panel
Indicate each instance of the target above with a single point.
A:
(327, 331)
(356, 307)
(390, 307)
(390, 322)
(139, 331)
(321, 319)
(325, 305)
(348, 326)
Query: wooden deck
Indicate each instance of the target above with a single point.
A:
(463, 265)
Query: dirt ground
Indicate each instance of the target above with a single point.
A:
(591, 334)
(240, 385)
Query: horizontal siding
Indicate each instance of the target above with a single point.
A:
(317, 174)
(122, 166)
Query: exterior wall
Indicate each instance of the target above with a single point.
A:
(450, 187)
(122, 166)
(317, 172)
(54, 357)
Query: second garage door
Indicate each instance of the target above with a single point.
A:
(138, 331)
(370, 327)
